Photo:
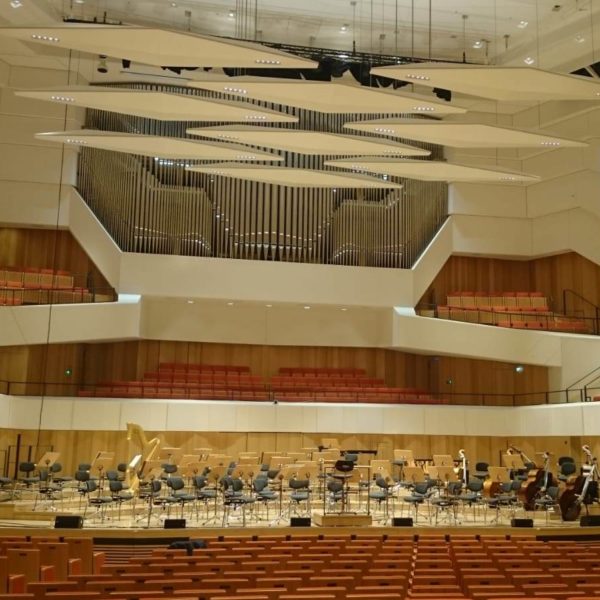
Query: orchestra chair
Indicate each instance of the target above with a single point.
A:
(96, 499)
(28, 479)
(383, 494)
(548, 501)
(420, 495)
(119, 495)
(481, 470)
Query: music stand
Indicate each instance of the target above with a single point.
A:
(298, 456)
(248, 460)
(443, 474)
(380, 467)
(218, 460)
(203, 452)
(277, 462)
(47, 460)
(513, 462)
(330, 444)
(443, 460)
(414, 475)
(406, 457)
(499, 474)
(170, 455)
(102, 462)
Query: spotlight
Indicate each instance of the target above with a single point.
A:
(102, 68)
(519, 369)
(16, 3)
(529, 60)
(478, 44)
(344, 27)
(231, 14)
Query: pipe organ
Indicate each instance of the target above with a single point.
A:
(154, 205)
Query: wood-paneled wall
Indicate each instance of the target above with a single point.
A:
(550, 275)
(128, 361)
(81, 446)
(51, 249)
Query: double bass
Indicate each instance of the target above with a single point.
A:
(584, 490)
(539, 484)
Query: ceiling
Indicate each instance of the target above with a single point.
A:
(157, 105)
(427, 170)
(308, 142)
(462, 135)
(290, 177)
(156, 146)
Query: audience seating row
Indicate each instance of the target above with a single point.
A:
(203, 383)
(307, 567)
(506, 299)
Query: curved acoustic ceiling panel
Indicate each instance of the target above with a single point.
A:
(428, 170)
(308, 142)
(157, 105)
(156, 146)
(328, 97)
(499, 83)
(301, 178)
(159, 47)
(461, 135)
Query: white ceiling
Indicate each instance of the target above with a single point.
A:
(462, 135)
(156, 146)
(294, 177)
(158, 47)
(308, 142)
(328, 97)
(157, 105)
(427, 170)
(499, 83)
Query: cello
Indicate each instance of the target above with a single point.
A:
(539, 484)
(584, 490)
(532, 474)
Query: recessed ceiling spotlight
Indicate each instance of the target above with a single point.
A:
(190, 302)
(230, 304)
(307, 308)
(553, 144)
(79, 1)
(344, 27)
(231, 14)
(16, 3)
(344, 309)
(579, 39)
(478, 44)
(529, 60)
(174, 4)
(268, 305)
(522, 24)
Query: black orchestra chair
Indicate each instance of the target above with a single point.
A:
(549, 501)
(119, 494)
(420, 494)
(96, 499)
(471, 496)
(300, 492)
(383, 494)
(28, 479)
(566, 470)
(178, 494)
(234, 498)
(263, 493)
(342, 473)
(481, 470)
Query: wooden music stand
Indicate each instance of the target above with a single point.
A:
(499, 474)
(191, 469)
(414, 474)
(307, 470)
(248, 460)
(444, 474)
(170, 455)
(513, 462)
(102, 462)
(380, 467)
(406, 456)
(47, 460)
(330, 444)
(243, 471)
(443, 460)
(203, 452)
(149, 467)
(298, 456)
(218, 460)
(277, 462)
(267, 454)
(287, 472)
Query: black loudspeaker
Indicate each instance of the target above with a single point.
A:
(300, 522)
(521, 522)
(402, 522)
(68, 522)
(590, 521)
(174, 523)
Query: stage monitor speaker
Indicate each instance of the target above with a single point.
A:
(521, 522)
(68, 522)
(402, 522)
(590, 521)
(174, 523)
(300, 522)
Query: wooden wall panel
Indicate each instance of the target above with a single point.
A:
(48, 248)
(550, 275)
(77, 447)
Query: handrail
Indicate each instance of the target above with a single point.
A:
(274, 395)
(584, 377)
(596, 308)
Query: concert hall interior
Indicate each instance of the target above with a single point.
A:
(308, 281)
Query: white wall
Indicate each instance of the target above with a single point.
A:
(20, 412)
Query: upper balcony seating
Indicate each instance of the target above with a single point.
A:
(222, 382)
(516, 310)
(31, 285)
